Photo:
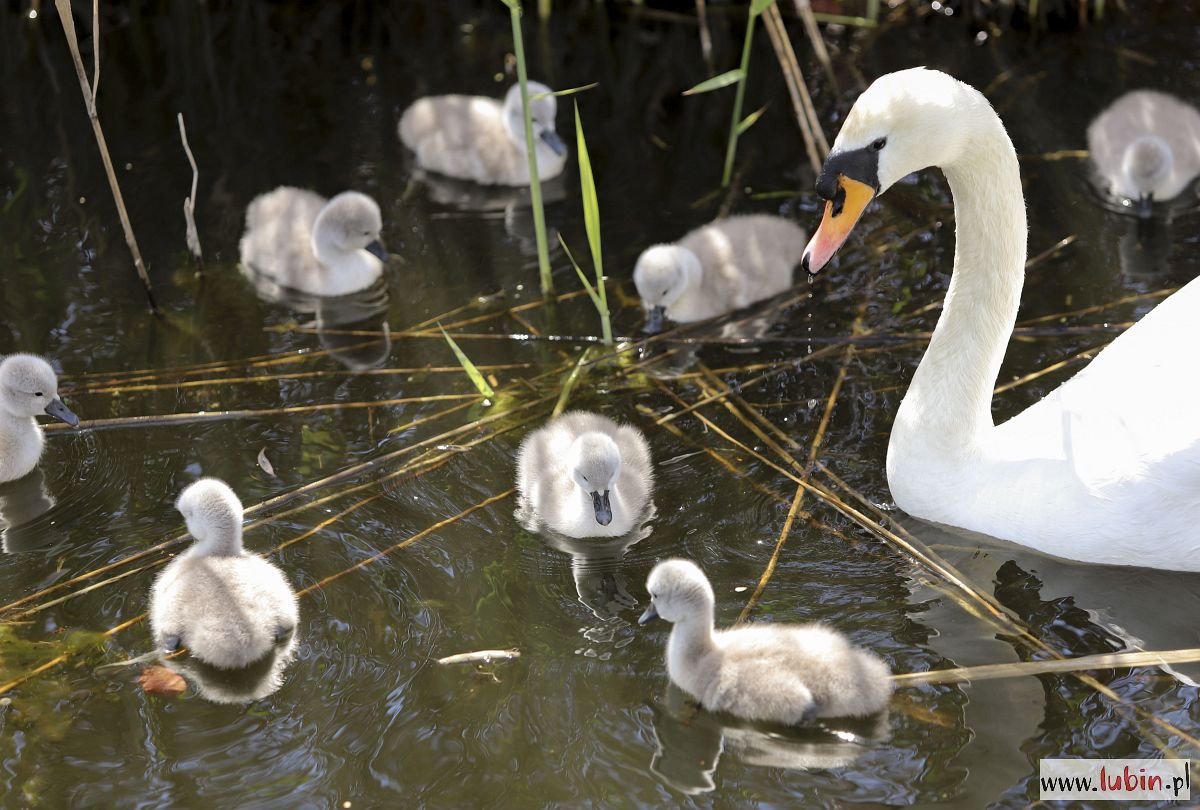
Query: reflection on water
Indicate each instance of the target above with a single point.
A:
(690, 743)
(255, 682)
(21, 503)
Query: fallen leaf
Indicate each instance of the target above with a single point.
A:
(156, 680)
(262, 462)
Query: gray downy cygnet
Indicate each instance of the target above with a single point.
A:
(28, 388)
(322, 247)
(483, 139)
(726, 265)
(227, 606)
(1145, 147)
(787, 674)
(583, 475)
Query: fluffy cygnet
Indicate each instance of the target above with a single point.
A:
(1146, 147)
(717, 268)
(28, 387)
(481, 139)
(770, 672)
(583, 475)
(228, 607)
(321, 247)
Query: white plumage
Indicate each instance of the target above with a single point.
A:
(1146, 146)
(770, 672)
(228, 607)
(482, 139)
(583, 475)
(28, 387)
(1105, 469)
(719, 267)
(322, 247)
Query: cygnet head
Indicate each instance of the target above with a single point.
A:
(904, 122)
(678, 591)
(543, 110)
(1147, 163)
(213, 515)
(662, 274)
(595, 462)
(350, 221)
(29, 387)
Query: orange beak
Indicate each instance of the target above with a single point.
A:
(841, 215)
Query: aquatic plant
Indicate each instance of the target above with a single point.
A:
(591, 223)
(535, 183)
(473, 373)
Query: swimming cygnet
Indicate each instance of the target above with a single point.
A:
(228, 607)
(481, 139)
(769, 672)
(583, 475)
(1146, 147)
(321, 247)
(28, 387)
(717, 268)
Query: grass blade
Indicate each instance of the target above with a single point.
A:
(570, 91)
(476, 376)
(717, 82)
(591, 222)
(757, 7)
(751, 119)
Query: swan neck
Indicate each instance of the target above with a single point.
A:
(693, 637)
(949, 401)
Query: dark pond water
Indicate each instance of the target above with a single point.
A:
(309, 95)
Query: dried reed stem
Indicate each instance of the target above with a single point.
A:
(987, 672)
(89, 98)
(806, 116)
(189, 203)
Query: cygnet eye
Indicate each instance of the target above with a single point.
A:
(38, 394)
(878, 144)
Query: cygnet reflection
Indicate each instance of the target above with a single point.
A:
(259, 680)
(689, 743)
(596, 567)
(21, 503)
(1145, 247)
(511, 203)
(340, 322)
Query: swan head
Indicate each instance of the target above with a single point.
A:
(350, 221)
(595, 462)
(904, 122)
(543, 108)
(213, 515)
(678, 591)
(1147, 162)
(29, 387)
(662, 274)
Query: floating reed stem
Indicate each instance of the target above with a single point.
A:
(988, 672)
(89, 99)
(189, 203)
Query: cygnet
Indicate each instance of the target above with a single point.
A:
(583, 475)
(228, 607)
(28, 387)
(717, 268)
(481, 139)
(775, 673)
(322, 247)
(1145, 147)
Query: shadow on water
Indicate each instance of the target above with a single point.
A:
(401, 572)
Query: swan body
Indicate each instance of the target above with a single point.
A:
(583, 475)
(302, 241)
(228, 607)
(28, 387)
(719, 267)
(1106, 469)
(483, 139)
(769, 672)
(1145, 146)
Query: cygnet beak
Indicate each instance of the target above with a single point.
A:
(603, 507)
(554, 142)
(61, 412)
(654, 320)
(650, 615)
(377, 250)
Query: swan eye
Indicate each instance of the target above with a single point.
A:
(878, 144)
(38, 394)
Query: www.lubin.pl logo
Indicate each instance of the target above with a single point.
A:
(1115, 779)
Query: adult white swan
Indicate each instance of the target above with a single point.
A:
(1106, 469)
